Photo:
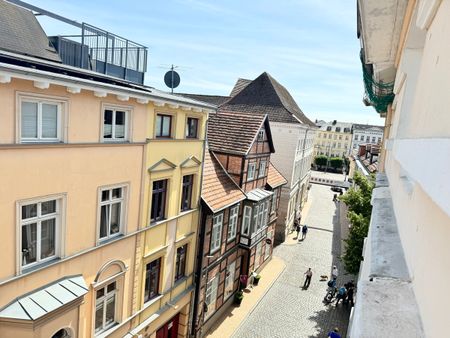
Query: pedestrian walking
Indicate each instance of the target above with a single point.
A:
(297, 228)
(334, 333)
(334, 272)
(342, 293)
(350, 286)
(304, 231)
(308, 274)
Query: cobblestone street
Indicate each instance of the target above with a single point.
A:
(287, 310)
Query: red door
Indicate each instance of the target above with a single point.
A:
(170, 329)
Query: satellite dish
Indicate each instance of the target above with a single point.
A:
(172, 79)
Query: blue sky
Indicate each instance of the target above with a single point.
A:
(309, 46)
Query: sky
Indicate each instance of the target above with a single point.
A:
(309, 46)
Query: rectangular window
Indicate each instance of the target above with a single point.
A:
(340, 137)
(258, 255)
(163, 125)
(40, 121)
(186, 195)
(111, 212)
(105, 307)
(255, 225)
(373, 139)
(379, 140)
(229, 280)
(246, 220)
(232, 223)
(261, 135)
(152, 271)
(262, 168)
(367, 139)
(338, 129)
(329, 135)
(251, 171)
(266, 213)
(356, 137)
(339, 145)
(40, 227)
(180, 266)
(261, 216)
(192, 128)
(115, 123)
(274, 202)
(216, 233)
(211, 295)
(158, 200)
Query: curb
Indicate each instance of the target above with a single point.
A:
(259, 300)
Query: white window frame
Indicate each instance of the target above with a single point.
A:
(266, 213)
(59, 229)
(216, 232)
(232, 222)
(255, 219)
(211, 295)
(260, 217)
(127, 128)
(262, 172)
(229, 280)
(39, 100)
(123, 210)
(252, 171)
(104, 301)
(246, 220)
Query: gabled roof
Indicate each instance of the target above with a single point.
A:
(21, 33)
(47, 299)
(265, 95)
(234, 133)
(218, 189)
(358, 126)
(216, 100)
(274, 177)
(240, 84)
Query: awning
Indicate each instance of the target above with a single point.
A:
(258, 194)
(47, 299)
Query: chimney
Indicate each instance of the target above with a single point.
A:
(334, 122)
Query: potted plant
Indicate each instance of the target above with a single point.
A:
(256, 279)
(238, 296)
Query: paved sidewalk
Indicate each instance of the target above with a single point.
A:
(289, 311)
(234, 316)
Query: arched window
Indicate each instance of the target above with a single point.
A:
(63, 333)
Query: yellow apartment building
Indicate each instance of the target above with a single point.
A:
(333, 139)
(166, 249)
(80, 155)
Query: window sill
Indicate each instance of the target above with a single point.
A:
(41, 142)
(115, 141)
(107, 332)
(229, 240)
(109, 239)
(180, 281)
(152, 301)
(38, 266)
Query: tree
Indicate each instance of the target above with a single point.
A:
(360, 209)
(336, 162)
(321, 160)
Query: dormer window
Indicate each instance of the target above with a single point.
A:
(261, 135)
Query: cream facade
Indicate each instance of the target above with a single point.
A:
(77, 159)
(333, 139)
(412, 203)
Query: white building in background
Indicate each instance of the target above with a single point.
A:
(403, 290)
(366, 133)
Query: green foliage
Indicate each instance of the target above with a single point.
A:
(321, 160)
(336, 162)
(358, 201)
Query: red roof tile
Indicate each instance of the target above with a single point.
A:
(274, 177)
(218, 189)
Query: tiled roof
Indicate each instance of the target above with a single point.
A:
(274, 177)
(234, 133)
(265, 95)
(20, 32)
(240, 84)
(216, 100)
(218, 189)
(336, 124)
(367, 126)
